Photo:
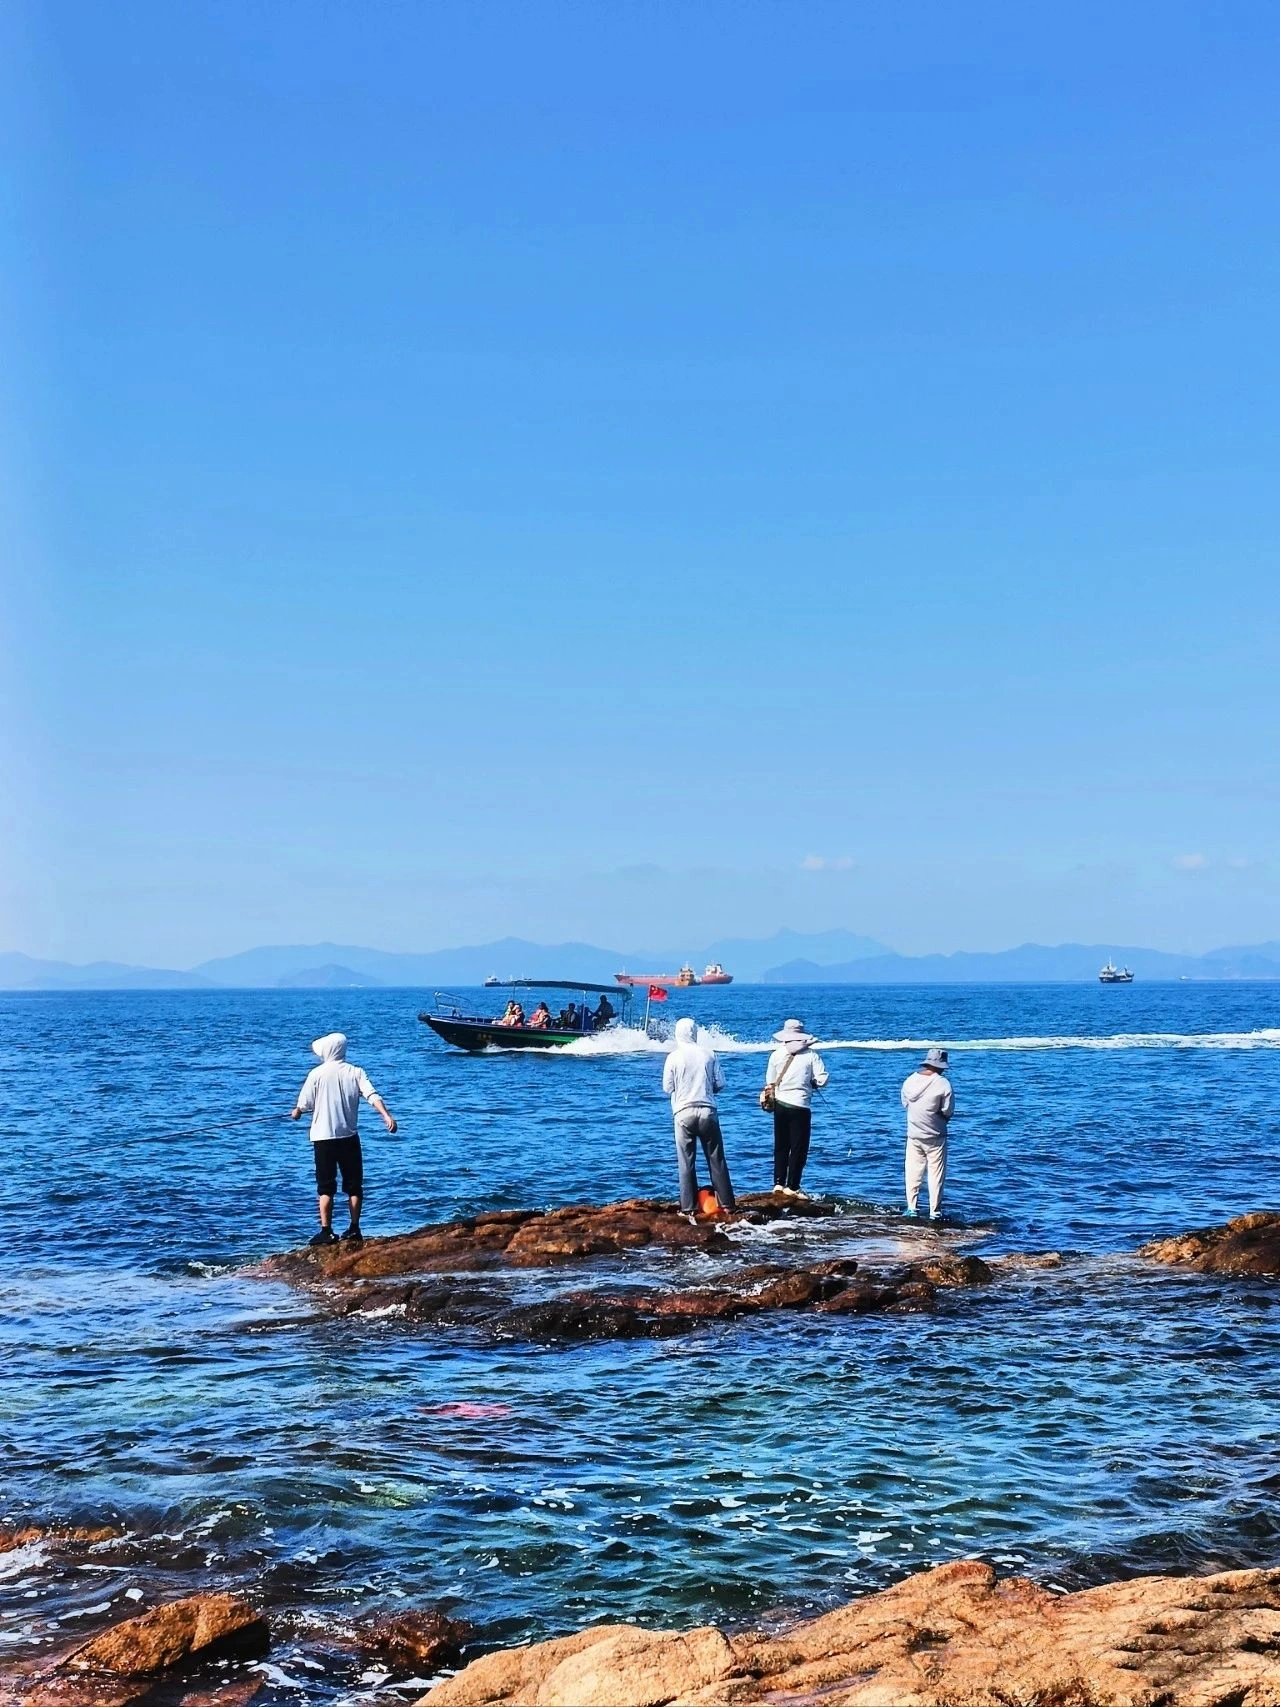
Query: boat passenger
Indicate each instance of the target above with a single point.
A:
(540, 1020)
(603, 1014)
(513, 1016)
(569, 1020)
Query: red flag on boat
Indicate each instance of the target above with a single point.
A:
(657, 993)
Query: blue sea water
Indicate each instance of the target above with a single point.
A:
(1075, 1423)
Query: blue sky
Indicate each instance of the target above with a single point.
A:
(637, 472)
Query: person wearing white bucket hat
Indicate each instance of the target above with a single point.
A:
(930, 1102)
(793, 1073)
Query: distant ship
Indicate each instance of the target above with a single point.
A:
(1113, 974)
(681, 980)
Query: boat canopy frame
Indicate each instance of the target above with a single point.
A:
(451, 1006)
(552, 984)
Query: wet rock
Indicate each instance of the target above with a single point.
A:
(533, 1238)
(579, 1316)
(836, 1285)
(1016, 1260)
(57, 1535)
(1248, 1245)
(951, 1271)
(410, 1643)
(950, 1636)
(860, 1300)
(181, 1632)
(136, 1692)
(405, 1276)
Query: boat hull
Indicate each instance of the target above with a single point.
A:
(477, 1034)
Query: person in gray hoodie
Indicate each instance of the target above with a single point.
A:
(691, 1077)
(930, 1102)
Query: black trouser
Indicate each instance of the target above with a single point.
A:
(790, 1143)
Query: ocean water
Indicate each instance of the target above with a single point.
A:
(1101, 1418)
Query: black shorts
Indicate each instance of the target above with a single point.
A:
(335, 1153)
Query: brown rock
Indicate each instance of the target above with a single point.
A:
(182, 1632)
(61, 1535)
(98, 1691)
(952, 1637)
(414, 1642)
(951, 1271)
(528, 1239)
(1025, 1259)
(860, 1300)
(1248, 1245)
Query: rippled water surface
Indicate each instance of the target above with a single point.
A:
(1075, 1423)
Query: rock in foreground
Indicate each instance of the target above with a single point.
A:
(182, 1632)
(1248, 1245)
(952, 1637)
(172, 1656)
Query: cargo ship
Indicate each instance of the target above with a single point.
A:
(716, 974)
(681, 980)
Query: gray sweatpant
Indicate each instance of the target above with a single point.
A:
(922, 1157)
(701, 1124)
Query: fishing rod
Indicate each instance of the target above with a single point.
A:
(214, 1126)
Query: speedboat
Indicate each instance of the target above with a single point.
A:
(466, 1029)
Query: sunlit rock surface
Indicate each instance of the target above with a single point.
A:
(957, 1636)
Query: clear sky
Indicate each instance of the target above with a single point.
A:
(637, 472)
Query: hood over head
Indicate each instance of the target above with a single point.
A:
(331, 1048)
(686, 1031)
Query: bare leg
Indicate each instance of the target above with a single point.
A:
(353, 1203)
(326, 1211)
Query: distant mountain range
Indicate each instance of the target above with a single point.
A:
(788, 957)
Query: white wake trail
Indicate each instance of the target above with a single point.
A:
(632, 1041)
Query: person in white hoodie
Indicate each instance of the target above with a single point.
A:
(331, 1095)
(793, 1073)
(930, 1102)
(691, 1077)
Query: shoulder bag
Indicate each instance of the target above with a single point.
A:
(769, 1095)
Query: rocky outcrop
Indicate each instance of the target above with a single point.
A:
(956, 1636)
(534, 1238)
(1248, 1245)
(424, 1277)
(659, 1312)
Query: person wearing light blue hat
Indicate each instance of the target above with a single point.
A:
(930, 1102)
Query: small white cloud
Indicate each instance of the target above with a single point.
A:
(817, 862)
(1239, 863)
(1190, 862)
